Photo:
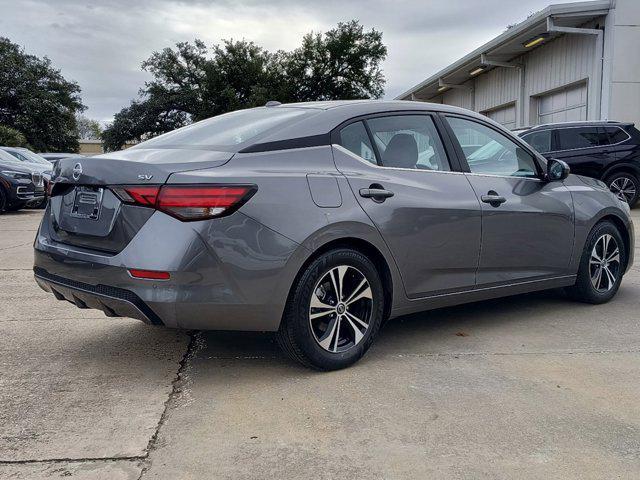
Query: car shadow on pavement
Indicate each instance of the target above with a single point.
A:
(431, 332)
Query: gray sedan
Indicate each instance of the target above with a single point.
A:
(319, 221)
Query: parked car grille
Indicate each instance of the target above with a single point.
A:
(37, 179)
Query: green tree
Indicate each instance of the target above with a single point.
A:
(36, 100)
(10, 137)
(88, 129)
(344, 63)
(192, 82)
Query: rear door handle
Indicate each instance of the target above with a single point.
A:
(493, 199)
(377, 194)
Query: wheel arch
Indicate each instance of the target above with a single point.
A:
(625, 233)
(621, 167)
(366, 248)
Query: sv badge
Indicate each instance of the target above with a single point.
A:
(145, 177)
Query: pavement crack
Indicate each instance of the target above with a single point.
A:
(73, 460)
(176, 388)
(16, 246)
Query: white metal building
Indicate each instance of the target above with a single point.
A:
(575, 61)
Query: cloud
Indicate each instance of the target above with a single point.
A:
(101, 44)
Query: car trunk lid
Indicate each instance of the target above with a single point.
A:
(85, 211)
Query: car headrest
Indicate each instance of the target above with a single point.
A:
(401, 152)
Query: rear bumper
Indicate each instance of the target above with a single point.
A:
(226, 274)
(114, 302)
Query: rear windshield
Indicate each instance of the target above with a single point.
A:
(228, 131)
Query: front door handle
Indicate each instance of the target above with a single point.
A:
(376, 194)
(493, 199)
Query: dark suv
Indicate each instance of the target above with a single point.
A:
(19, 185)
(608, 151)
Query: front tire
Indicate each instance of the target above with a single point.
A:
(3, 200)
(601, 266)
(334, 311)
(15, 207)
(625, 186)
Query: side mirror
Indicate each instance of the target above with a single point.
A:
(557, 170)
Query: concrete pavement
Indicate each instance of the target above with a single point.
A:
(526, 387)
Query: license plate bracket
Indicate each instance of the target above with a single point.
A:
(87, 202)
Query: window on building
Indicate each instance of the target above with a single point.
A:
(409, 141)
(354, 138)
(541, 141)
(493, 153)
(580, 137)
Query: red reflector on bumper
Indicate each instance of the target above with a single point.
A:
(149, 274)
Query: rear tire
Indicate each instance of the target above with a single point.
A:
(334, 311)
(601, 266)
(625, 186)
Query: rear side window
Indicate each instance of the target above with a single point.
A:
(354, 138)
(541, 141)
(409, 141)
(616, 135)
(228, 130)
(580, 137)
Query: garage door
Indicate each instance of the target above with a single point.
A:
(567, 105)
(504, 115)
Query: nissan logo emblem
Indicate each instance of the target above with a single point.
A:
(77, 171)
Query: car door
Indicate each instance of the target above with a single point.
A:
(585, 149)
(428, 214)
(527, 222)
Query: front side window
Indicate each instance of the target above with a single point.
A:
(580, 137)
(354, 138)
(492, 153)
(541, 141)
(409, 141)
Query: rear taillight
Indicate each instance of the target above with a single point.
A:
(188, 202)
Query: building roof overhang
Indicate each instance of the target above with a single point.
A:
(509, 45)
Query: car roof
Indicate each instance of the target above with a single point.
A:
(331, 114)
(584, 123)
(373, 106)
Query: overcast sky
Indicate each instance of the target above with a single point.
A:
(101, 44)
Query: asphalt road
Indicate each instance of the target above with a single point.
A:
(533, 386)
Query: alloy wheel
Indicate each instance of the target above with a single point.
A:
(340, 309)
(604, 264)
(624, 188)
